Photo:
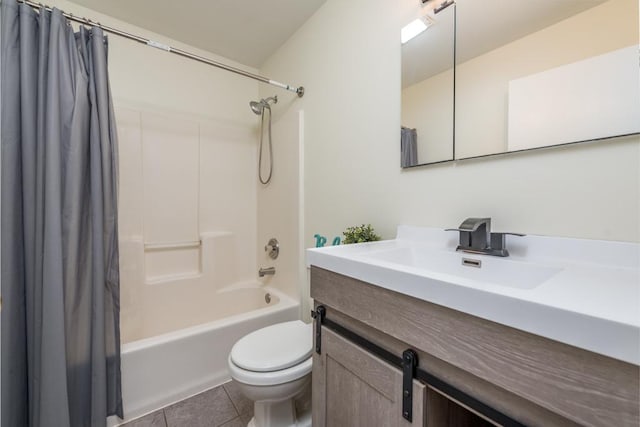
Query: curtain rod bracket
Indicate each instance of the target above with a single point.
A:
(159, 45)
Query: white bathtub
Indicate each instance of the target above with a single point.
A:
(166, 368)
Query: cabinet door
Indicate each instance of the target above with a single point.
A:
(353, 388)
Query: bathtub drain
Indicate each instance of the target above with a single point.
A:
(267, 298)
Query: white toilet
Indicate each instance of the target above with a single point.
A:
(272, 367)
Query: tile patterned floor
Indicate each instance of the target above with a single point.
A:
(222, 406)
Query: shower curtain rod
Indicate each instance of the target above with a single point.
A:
(299, 90)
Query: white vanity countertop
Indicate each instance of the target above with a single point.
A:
(588, 294)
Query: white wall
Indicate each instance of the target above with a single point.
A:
(348, 58)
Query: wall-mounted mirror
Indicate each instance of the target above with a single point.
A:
(427, 83)
(532, 74)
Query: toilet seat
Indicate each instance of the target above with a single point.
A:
(274, 347)
(277, 354)
(270, 378)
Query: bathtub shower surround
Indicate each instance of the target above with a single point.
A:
(188, 253)
(185, 231)
(160, 298)
(60, 278)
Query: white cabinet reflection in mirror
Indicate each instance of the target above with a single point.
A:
(527, 74)
(590, 99)
(555, 37)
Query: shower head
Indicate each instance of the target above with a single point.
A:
(258, 106)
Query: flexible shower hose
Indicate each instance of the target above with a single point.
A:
(270, 148)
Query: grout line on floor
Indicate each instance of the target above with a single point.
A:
(229, 396)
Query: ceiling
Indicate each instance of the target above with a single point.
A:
(481, 26)
(246, 31)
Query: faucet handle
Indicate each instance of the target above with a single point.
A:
(464, 238)
(499, 244)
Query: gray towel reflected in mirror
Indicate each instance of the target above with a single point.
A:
(408, 147)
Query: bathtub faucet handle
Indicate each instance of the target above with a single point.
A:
(272, 248)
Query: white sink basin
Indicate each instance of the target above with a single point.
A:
(479, 268)
(585, 293)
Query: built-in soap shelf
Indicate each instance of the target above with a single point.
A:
(172, 256)
(207, 259)
(171, 245)
(172, 278)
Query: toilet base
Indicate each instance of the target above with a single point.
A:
(302, 420)
(291, 412)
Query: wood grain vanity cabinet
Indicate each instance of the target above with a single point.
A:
(463, 363)
(360, 389)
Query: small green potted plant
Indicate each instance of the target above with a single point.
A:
(360, 234)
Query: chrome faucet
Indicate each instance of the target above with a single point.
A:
(267, 271)
(476, 237)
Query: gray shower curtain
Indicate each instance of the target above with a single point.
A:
(60, 278)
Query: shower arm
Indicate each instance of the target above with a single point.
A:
(86, 21)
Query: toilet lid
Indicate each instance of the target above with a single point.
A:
(274, 348)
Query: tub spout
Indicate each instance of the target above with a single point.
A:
(267, 271)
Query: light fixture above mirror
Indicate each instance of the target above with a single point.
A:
(415, 27)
